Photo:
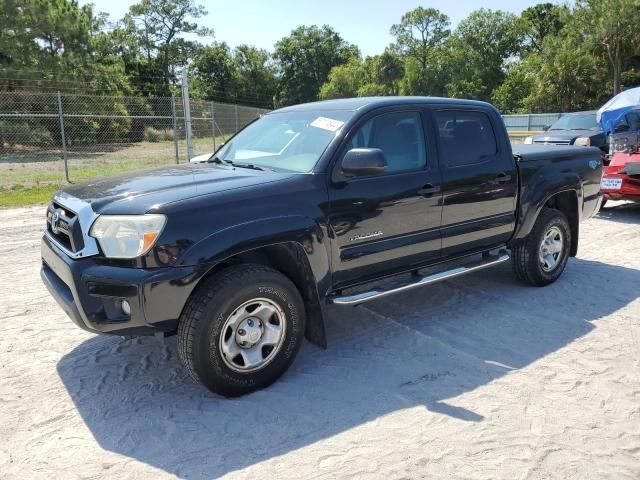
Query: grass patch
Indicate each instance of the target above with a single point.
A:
(20, 197)
(32, 181)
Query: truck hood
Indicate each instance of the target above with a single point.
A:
(141, 191)
(553, 136)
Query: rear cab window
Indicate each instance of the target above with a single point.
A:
(466, 137)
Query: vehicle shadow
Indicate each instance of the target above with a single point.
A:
(421, 348)
(621, 212)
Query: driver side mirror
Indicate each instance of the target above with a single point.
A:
(546, 127)
(362, 162)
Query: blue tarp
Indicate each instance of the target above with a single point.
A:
(613, 111)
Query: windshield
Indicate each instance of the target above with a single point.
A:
(584, 121)
(291, 141)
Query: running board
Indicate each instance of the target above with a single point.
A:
(420, 281)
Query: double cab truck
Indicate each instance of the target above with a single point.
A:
(337, 202)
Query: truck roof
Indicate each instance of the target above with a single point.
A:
(366, 103)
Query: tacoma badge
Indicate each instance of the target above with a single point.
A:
(364, 236)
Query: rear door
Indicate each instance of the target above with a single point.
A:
(479, 179)
(390, 221)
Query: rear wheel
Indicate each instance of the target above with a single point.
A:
(541, 258)
(241, 330)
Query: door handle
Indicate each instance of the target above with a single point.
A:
(428, 190)
(503, 178)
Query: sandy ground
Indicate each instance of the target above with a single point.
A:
(474, 378)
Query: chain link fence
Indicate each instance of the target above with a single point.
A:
(522, 125)
(49, 137)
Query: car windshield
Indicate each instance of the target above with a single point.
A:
(584, 121)
(292, 141)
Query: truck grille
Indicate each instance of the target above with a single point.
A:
(64, 227)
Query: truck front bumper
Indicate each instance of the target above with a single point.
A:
(93, 293)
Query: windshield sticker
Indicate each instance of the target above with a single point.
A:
(327, 124)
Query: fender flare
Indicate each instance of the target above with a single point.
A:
(307, 234)
(530, 206)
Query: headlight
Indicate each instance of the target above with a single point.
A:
(582, 142)
(528, 141)
(127, 236)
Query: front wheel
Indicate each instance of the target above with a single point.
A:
(241, 329)
(541, 258)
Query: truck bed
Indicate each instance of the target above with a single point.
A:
(527, 153)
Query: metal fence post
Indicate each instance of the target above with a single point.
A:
(237, 120)
(187, 115)
(175, 128)
(528, 122)
(213, 126)
(64, 141)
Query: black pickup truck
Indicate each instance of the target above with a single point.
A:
(310, 205)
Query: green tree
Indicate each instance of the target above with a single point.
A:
(514, 95)
(256, 75)
(54, 43)
(542, 20)
(479, 50)
(158, 26)
(570, 77)
(344, 81)
(214, 74)
(612, 26)
(389, 70)
(305, 59)
(420, 32)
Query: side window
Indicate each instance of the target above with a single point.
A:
(399, 135)
(633, 119)
(466, 137)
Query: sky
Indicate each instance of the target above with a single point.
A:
(364, 22)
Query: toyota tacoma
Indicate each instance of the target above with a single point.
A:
(341, 202)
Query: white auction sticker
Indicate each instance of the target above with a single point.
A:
(327, 124)
(611, 183)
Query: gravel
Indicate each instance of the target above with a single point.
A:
(478, 377)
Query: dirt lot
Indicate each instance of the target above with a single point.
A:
(474, 378)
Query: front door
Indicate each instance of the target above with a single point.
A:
(390, 221)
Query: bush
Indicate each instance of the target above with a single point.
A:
(152, 135)
(167, 134)
(18, 132)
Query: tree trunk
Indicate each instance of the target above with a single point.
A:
(616, 65)
(617, 73)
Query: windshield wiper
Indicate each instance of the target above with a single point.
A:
(214, 159)
(251, 166)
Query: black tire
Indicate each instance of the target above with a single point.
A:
(525, 255)
(202, 321)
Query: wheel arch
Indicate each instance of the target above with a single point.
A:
(290, 259)
(567, 201)
(293, 245)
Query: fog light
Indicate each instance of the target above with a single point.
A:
(126, 308)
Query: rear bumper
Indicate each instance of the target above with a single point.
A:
(622, 196)
(629, 188)
(91, 293)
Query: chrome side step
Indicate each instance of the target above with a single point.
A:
(420, 281)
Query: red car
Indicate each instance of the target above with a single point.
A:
(621, 178)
